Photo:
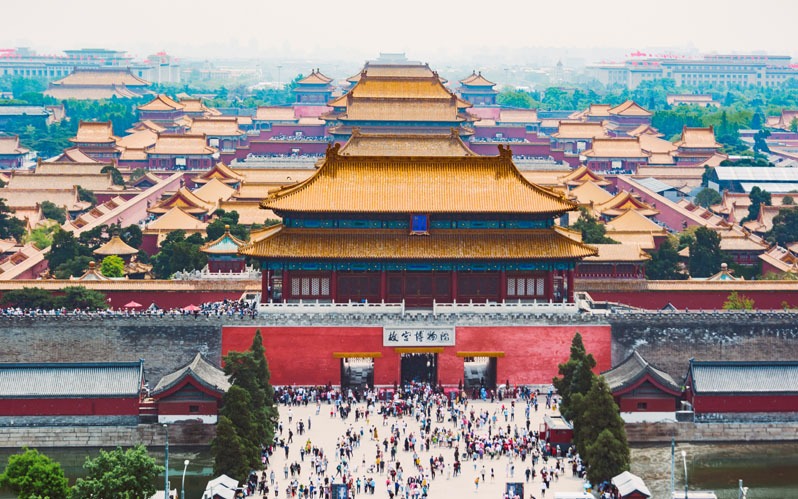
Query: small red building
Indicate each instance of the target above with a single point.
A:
(193, 392)
(557, 431)
(223, 254)
(730, 389)
(106, 393)
(643, 392)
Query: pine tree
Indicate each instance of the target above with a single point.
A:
(229, 451)
(596, 414)
(577, 374)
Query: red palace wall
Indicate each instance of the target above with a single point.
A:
(653, 404)
(183, 407)
(695, 299)
(71, 407)
(745, 403)
(304, 355)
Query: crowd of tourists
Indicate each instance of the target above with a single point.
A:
(386, 428)
(224, 308)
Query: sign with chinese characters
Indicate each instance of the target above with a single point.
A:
(418, 336)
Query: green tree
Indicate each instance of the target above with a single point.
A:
(785, 227)
(509, 97)
(75, 267)
(229, 451)
(705, 254)
(28, 298)
(42, 236)
(32, 475)
(10, 226)
(223, 219)
(87, 196)
(179, 253)
(83, 298)
(116, 176)
(738, 302)
(65, 247)
(577, 374)
(593, 232)
(250, 371)
(758, 197)
(121, 474)
(707, 197)
(132, 235)
(112, 266)
(788, 200)
(53, 212)
(664, 264)
(794, 125)
(597, 413)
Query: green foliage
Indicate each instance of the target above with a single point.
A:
(132, 235)
(10, 226)
(32, 475)
(216, 228)
(593, 232)
(577, 374)
(229, 451)
(70, 297)
(705, 254)
(79, 297)
(65, 247)
(121, 474)
(87, 196)
(28, 298)
(785, 227)
(509, 97)
(608, 456)
(137, 173)
(664, 264)
(179, 253)
(112, 266)
(758, 197)
(53, 212)
(116, 176)
(75, 267)
(738, 302)
(597, 413)
(794, 125)
(787, 201)
(707, 197)
(249, 408)
(42, 236)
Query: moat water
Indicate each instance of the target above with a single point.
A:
(770, 470)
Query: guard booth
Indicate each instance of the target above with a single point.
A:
(556, 430)
(514, 490)
(479, 370)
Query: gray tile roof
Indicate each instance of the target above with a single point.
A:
(23, 111)
(632, 369)
(744, 377)
(110, 379)
(202, 370)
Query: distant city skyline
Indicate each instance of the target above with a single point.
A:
(428, 31)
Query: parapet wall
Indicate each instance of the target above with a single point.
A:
(668, 339)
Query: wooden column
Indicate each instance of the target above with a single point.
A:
(502, 285)
(550, 285)
(570, 285)
(383, 285)
(334, 286)
(454, 285)
(265, 285)
(286, 285)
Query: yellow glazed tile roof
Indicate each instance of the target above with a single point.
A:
(115, 246)
(370, 184)
(616, 148)
(383, 144)
(94, 132)
(282, 242)
(180, 144)
(477, 80)
(161, 102)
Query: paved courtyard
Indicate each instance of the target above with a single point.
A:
(326, 430)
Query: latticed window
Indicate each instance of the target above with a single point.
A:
(310, 286)
(520, 287)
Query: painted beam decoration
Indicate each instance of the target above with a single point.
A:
(418, 337)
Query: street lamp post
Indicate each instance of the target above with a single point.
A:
(183, 482)
(684, 459)
(166, 465)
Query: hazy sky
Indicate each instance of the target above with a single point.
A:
(424, 29)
